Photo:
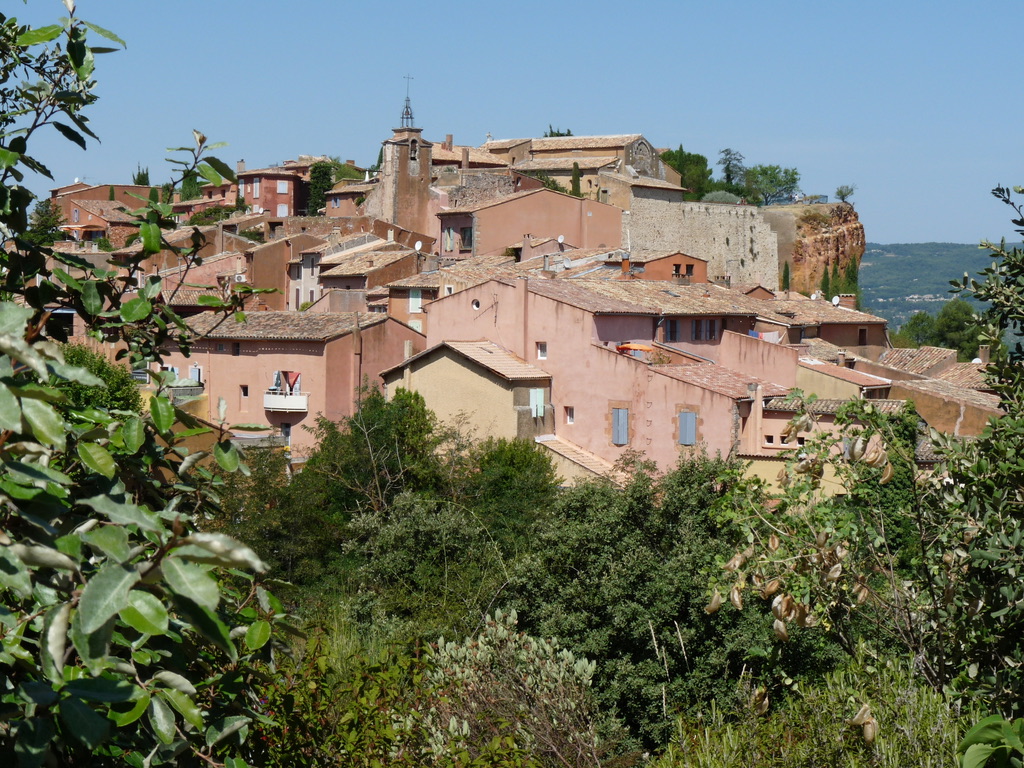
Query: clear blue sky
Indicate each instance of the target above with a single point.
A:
(916, 103)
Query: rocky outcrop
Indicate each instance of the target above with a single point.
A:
(812, 238)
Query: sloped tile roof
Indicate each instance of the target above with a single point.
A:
(860, 378)
(819, 349)
(486, 354)
(581, 457)
(552, 143)
(345, 189)
(643, 181)
(492, 202)
(950, 391)
(362, 262)
(563, 163)
(917, 360)
(967, 375)
(478, 156)
(831, 406)
(503, 144)
(111, 210)
(808, 312)
(281, 326)
(719, 379)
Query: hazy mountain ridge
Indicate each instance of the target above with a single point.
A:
(900, 279)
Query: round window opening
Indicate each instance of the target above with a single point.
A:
(475, 304)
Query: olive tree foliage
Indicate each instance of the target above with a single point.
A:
(948, 591)
(127, 635)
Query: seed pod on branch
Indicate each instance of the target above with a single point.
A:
(715, 604)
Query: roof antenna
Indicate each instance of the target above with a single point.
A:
(407, 121)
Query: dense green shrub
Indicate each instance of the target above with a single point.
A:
(868, 715)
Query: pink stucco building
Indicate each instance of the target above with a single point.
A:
(285, 369)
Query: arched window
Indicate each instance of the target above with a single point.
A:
(414, 149)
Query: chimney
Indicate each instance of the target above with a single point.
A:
(448, 143)
(350, 162)
(239, 167)
(841, 358)
(848, 300)
(983, 353)
(465, 158)
(625, 263)
(527, 250)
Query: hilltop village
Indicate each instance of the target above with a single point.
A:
(620, 318)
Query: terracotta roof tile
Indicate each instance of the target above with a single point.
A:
(643, 181)
(487, 354)
(831, 406)
(808, 312)
(917, 360)
(716, 378)
(281, 326)
(553, 143)
(503, 144)
(454, 155)
(111, 210)
(563, 163)
(967, 375)
(950, 391)
(860, 378)
(362, 262)
(491, 202)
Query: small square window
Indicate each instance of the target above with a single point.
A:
(570, 414)
(466, 235)
(282, 187)
(245, 390)
(769, 439)
(221, 347)
(449, 290)
(542, 350)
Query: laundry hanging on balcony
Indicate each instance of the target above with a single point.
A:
(292, 381)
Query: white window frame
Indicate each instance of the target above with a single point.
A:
(542, 350)
(255, 188)
(415, 301)
(282, 187)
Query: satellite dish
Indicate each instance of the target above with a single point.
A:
(835, 301)
(567, 262)
(561, 239)
(418, 245)
(814, 296)
(976, 361)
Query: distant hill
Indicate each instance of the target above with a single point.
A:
(900, 279)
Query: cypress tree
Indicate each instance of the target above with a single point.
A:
(785, 276)
(825, 283)
(837, 281)
(574, 189)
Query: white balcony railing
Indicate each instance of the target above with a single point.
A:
(275, 400)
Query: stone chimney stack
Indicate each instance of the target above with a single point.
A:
(625, 264)
(841, 358)
(465, 158)
(449, 142)
(239, 167)
(848, 300)
(984, 353)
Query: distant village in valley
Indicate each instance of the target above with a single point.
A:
(619, 318)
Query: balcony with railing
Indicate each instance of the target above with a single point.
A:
(279, 400)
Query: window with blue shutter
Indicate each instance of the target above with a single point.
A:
(620, 426)
(537, 403)
(687, 428)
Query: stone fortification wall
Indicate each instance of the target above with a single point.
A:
(735, 240)
(480, 188)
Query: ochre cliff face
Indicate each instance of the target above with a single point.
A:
(824, 234)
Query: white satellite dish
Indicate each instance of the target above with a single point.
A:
(561, 239)
(418, 245)
(976, 361)
(567, 262)
(814, 296)
(835, 301)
